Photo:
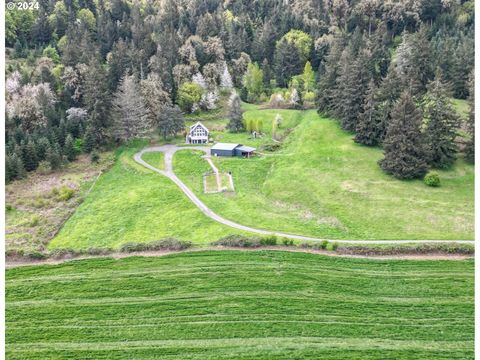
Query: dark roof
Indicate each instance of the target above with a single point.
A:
(246, 149)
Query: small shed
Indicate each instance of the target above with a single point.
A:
(227, 149)
(245, 151)
(223, 149)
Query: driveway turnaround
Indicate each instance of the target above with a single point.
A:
(169, 151)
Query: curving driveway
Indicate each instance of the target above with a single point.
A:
(169, 151)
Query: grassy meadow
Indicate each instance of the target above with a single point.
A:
(319, 183)
(241, 305)
(323, 184)
(130, 203)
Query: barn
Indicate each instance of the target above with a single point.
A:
(227, 149)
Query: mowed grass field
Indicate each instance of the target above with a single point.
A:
(323, 184)
(241, 305)
(130, 203)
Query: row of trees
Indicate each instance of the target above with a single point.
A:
(84, 56)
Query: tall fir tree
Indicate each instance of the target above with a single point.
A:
(130, 119)
(97, 100)
(69, 148)
(470, 146)
(403, 146)
(235, 116)
(441, 126)
(369, 131)
(170, 121)
(389, 91)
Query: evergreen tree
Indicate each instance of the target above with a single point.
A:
(69, 149)
(30, 160)
(170, 121)
(442, 123)
(351, 87)
(389, 91)
(89, 140)
(97, 101)
(403, 145)
(130, 119)
(235, 114)
(368, 130)
(470, 147)
(54, 158)
(18, 170)
(287, 62)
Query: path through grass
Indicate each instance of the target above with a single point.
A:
(239, 305)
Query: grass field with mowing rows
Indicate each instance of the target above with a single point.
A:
(241, 305)
(321, 183)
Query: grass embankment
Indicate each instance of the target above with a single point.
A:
(232, 305)
(156, 159)
(323, 184)
(133, 204)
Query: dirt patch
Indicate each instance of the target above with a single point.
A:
(36, 207)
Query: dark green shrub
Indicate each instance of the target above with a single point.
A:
(332, 246)
(63, 254)
(8, 207)
(94, 157)
(35, 255)
(269, 240)
(324, 244)
(238, 241)
(98, 251)
(132, 247)
(432, 179)
(287, 242)
(168, 244)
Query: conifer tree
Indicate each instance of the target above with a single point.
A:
(442, 123)
(403, 145)
(470, 147)
(368, 130)
(17, 166)
(54, 158)
(130, 119)
(389, 91)
(235, 114)
(170, 121)
(69, 149)
(30, 160)
(89, 140)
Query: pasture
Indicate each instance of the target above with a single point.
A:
(241, 305)
(321, 183)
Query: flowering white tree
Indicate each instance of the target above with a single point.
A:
(226, 79)
(209, 100)
(76, 114)
(199, 80)
(294, 98)
(12, 84)
(30, 104)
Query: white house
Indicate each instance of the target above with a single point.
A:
(198, 134)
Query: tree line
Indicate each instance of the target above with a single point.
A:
(84, 74)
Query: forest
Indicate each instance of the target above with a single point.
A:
(86, 75)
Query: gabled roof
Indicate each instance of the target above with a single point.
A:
(224, 146)
(244, 148)
(198, 123)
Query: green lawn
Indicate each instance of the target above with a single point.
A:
(156, 159)
(323, 184)
(241, 305)
(133, 204)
